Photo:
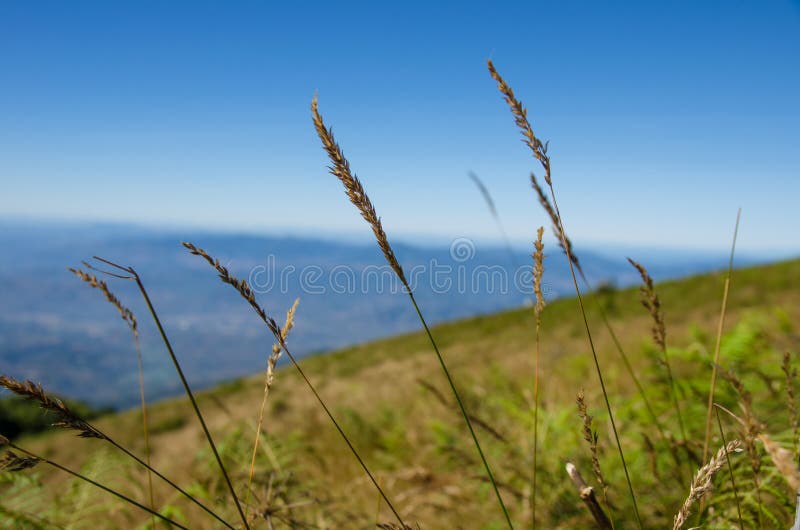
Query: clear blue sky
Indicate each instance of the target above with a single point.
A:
(663, 117)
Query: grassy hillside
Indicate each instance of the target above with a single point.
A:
(392, 401)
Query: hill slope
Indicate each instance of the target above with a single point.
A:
(54, 330)
(392, 401)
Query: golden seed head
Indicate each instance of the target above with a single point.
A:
(538, 270)
(125, 313)
(651, 302)
(340, 168)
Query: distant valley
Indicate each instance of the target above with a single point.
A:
(57, 331)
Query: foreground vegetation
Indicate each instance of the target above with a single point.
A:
(674, 418)
(392, 404)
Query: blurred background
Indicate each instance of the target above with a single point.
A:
(127, 128)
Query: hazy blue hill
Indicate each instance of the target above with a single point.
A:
(58, 332)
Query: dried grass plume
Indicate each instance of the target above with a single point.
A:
(340, 168)
(65, 417)
(701, 485)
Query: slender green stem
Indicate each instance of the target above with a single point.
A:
(719, 337)
(102, 487)
(145, 432)
(461, 407)
(535, 426)
(730, 470)
(674, 393)
(191, 396)
(594, 357)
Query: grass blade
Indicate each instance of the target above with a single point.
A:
(719, 337)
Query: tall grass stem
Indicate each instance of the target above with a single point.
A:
(718, 342)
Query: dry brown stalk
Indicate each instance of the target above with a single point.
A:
(701, 485)
(272, 361)
(587, 495)
(651, 302)
(355, 190)
(590, 435)
(65, 417)
(784, 461)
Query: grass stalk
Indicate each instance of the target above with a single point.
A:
(487, 198)
(720, 327)
(599, 371)
(566, 246)
(135, 277)
(651, 302)
(539, 151)
(730, 470)
(268, 379)
(538, 272)
(340, 168)
(463, 410)
(246, 292)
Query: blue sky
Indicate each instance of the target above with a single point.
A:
(663, 117)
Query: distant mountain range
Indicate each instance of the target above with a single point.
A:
(57, 331)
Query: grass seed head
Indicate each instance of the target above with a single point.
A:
(652, 303)
(92, 281)
(10, 461)
(241, 286)
(66, 418)
(340, 168)
(701, 485)
(538, 270)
